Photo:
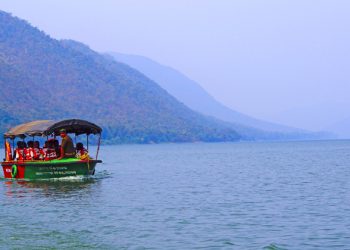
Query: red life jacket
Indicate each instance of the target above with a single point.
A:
(44, 150)
(29, 154)
(37, 153)
(50, 154)
(20, 154)
(42, 153)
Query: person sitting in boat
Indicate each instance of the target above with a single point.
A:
(82, 152)
(67, 147)
(38, 152)
(30, 151)
(50, 152)
(20, 151)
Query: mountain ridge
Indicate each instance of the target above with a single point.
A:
(172, 80)
(194, 96)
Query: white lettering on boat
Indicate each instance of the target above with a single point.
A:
(52, 168)
(57, 173)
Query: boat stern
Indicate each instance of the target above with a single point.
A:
(13, 170)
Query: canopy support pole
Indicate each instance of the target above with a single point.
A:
(23, 154)
(87, 142)
(5, 147)
(98, 145)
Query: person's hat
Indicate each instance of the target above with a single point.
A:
(62, 130)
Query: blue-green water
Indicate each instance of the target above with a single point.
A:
(293, 195)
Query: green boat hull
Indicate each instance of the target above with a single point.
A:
(49, 169)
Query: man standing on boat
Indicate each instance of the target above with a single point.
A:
(67, 147)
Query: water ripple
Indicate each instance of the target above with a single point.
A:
(189, 196)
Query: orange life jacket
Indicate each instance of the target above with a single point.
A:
(82, 151)
(8, 151)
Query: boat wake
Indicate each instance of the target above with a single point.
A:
(79, 178)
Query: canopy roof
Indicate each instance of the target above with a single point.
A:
(49, 127)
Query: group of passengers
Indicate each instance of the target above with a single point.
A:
(51, 149)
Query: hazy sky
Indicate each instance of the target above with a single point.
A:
(284, 61)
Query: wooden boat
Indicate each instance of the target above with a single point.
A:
(41, 169)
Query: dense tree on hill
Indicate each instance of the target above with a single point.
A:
(43, 78)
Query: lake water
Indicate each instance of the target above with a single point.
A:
(292, 195)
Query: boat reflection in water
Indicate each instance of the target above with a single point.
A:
(57, 187)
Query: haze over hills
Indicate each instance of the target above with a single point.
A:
(326, 115)
(342, 128)
(43, 78)
(194, 96)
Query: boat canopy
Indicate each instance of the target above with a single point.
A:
(49, 127)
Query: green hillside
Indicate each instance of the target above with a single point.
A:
(43, 78)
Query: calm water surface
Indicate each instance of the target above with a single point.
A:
(293, 195)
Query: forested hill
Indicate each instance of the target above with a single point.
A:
(43, 78)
